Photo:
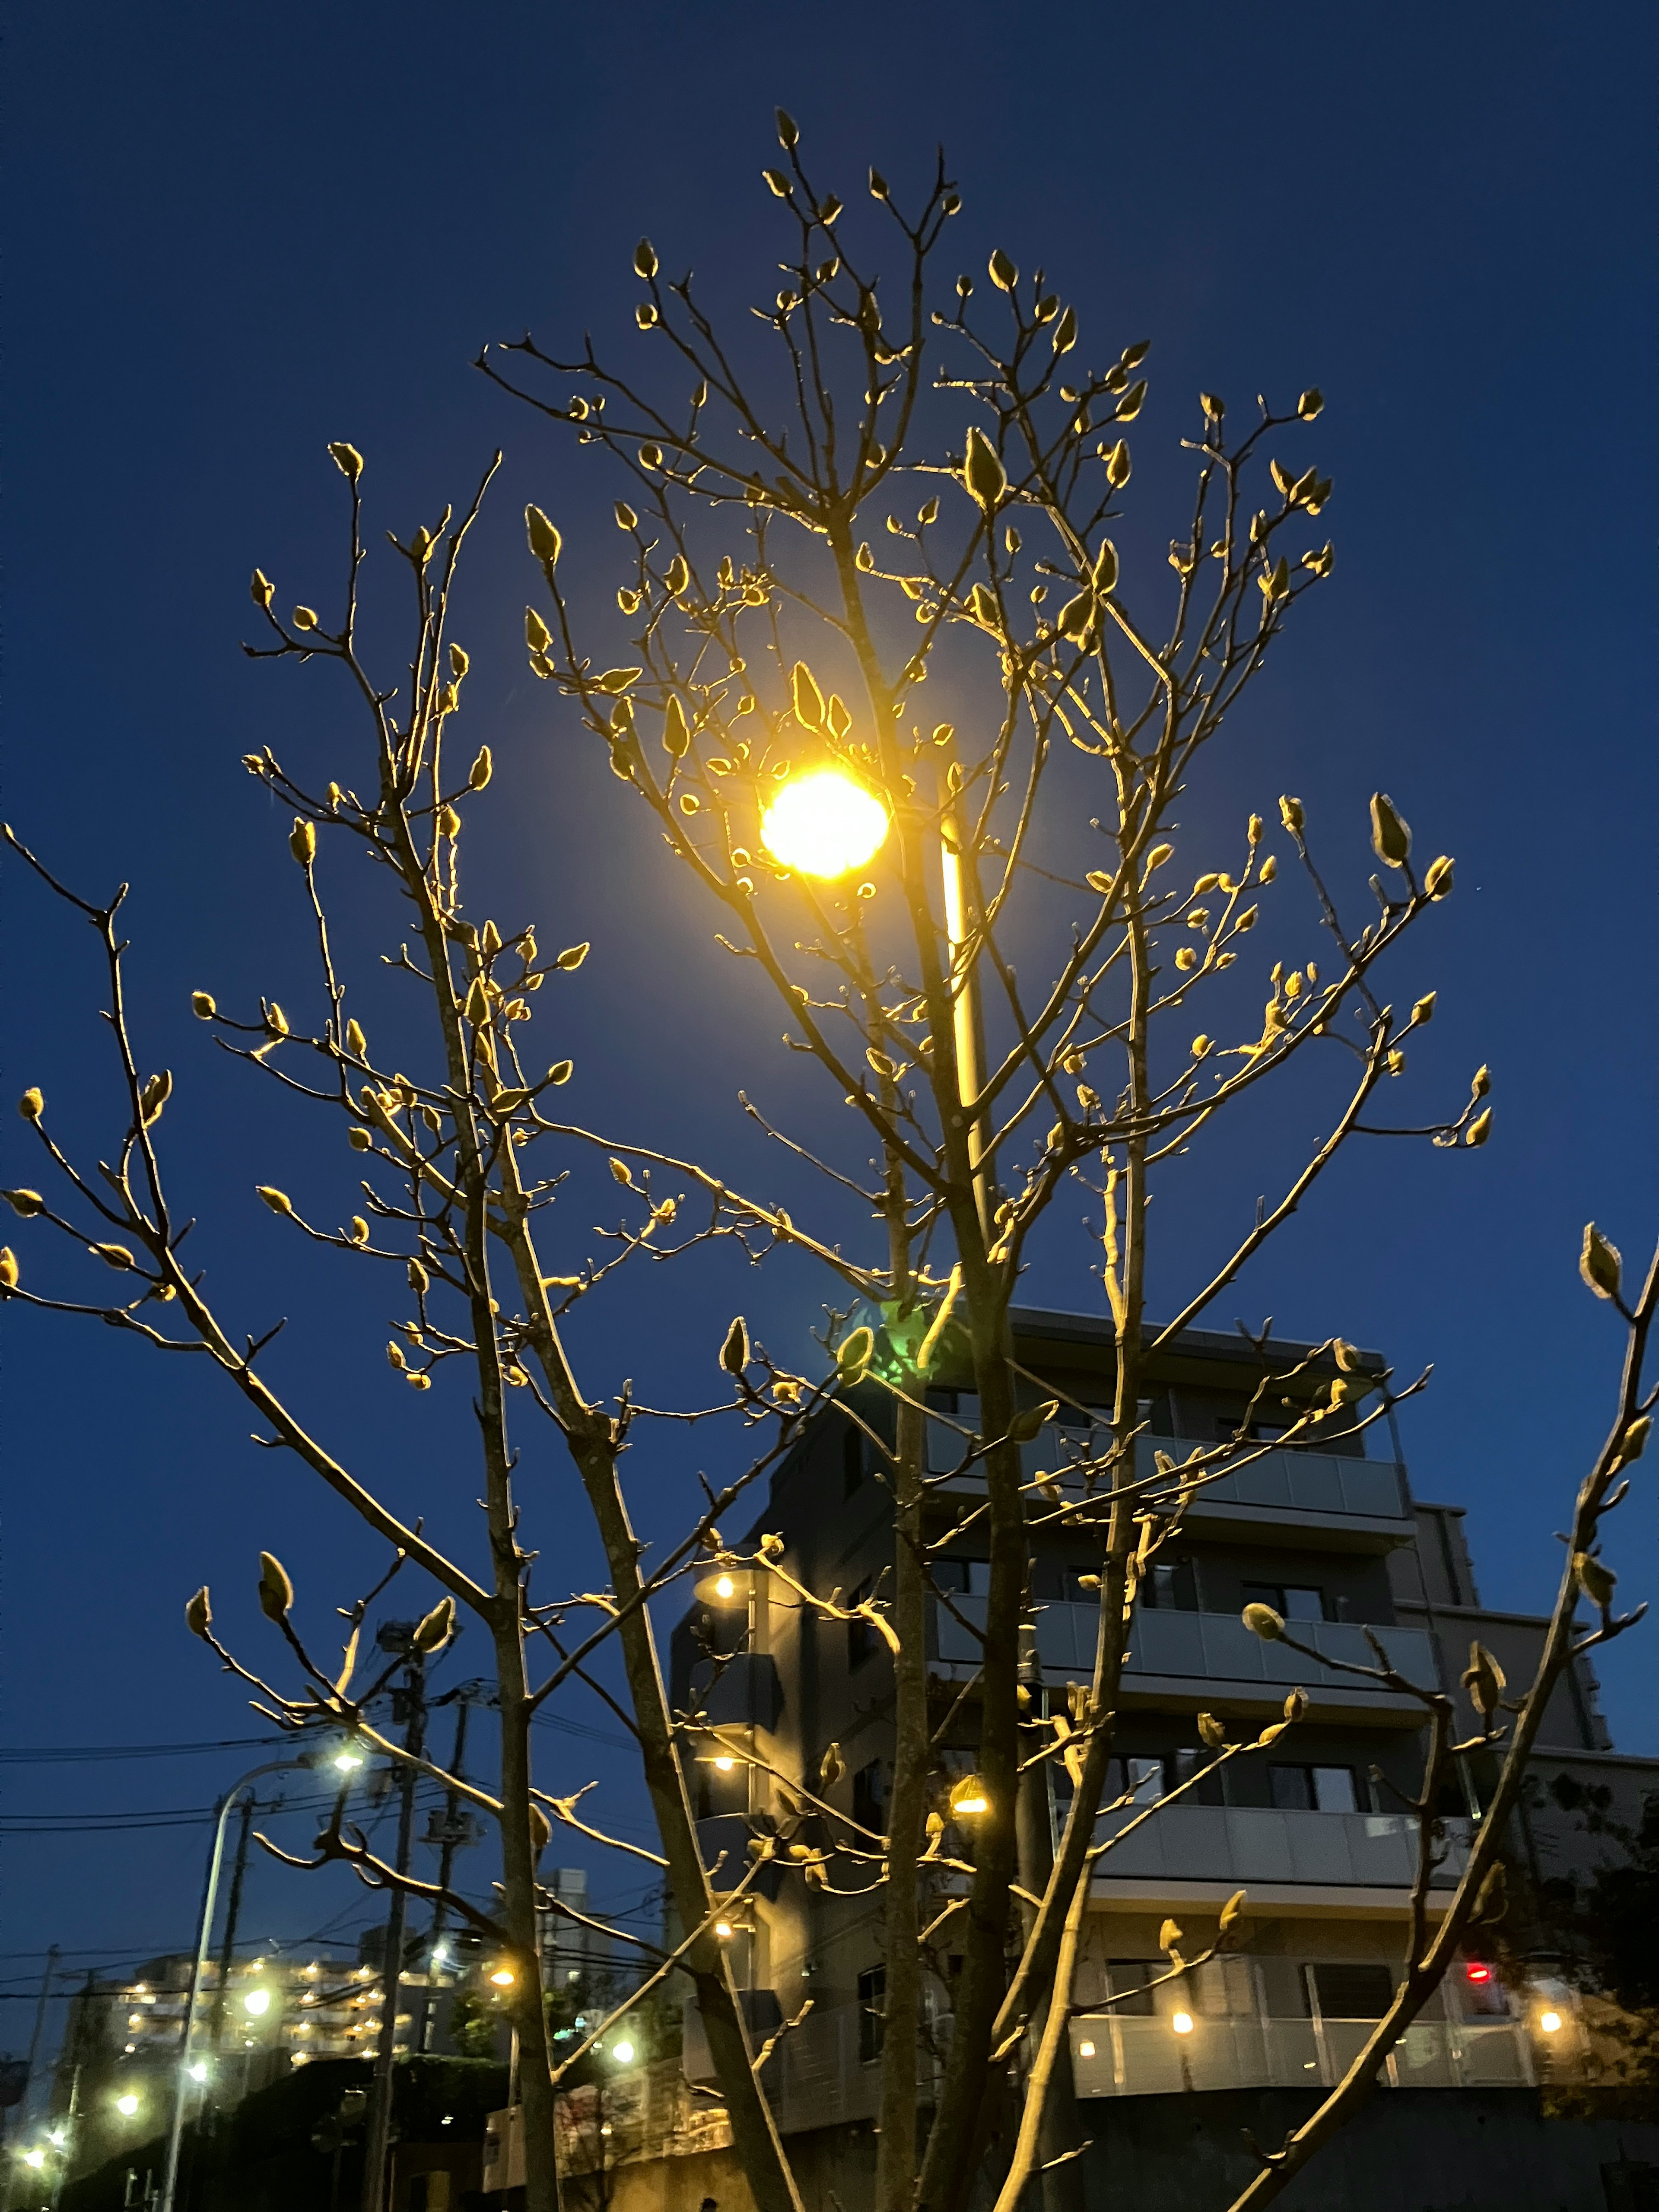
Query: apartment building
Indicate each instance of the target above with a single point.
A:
(1314, 1828)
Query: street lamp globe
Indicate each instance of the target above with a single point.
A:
(824, 824)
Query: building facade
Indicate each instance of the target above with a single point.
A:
(1314, 1828)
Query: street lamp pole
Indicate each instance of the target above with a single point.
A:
(204, 1932)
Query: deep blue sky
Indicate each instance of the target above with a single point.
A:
(232, 237)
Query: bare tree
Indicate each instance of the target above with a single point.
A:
(760, 606)
(771, 646)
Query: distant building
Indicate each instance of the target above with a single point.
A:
(1330, 1536)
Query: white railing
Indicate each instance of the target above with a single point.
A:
(1206, 1646)
(1140, 2057)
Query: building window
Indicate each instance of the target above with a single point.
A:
(1292, 1601)
(1314, 1789)
(870, 1798)
(873, 2022)
(1171, 1589)
(860, 1635)
(1141, 1778)
(1129, 1978)
(852, 1461)
(963, 1578)
(1354, 1990)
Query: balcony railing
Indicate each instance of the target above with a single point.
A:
(1241, 1844)
(1206, 1646)
(1311, 1482)
(1140, 2057)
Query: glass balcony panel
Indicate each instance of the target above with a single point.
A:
(1291, 2055)
(1423, 2057)
(1148, 2057)
(1344, 2041)
(1494, 2057)
(1168, 1643)
(1259, 1839)
(1231, 1653)
(1315, 1480)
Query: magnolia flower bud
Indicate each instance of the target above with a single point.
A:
(1213, 405)
(359, 1230)
(1231, 1910)
(276, 1591)
(481, 770)
(1391, 837)
(278, 1201)
(201, 1006)
(1310, 404)
(436, 1629)
(32, 1105)
(198, 1613)
(983, 472)
(734, 1352)
(1292, 814)
(1484, 1679)
(276, 1020)
(1262, 1621)
(302, 842)
(348, 460)
(1479, 1129)
(831, 1767)
(1169, 1937)
(356, 1043)
(361, 1140)
(263, 589)
(544, 540)
(448, 823)
(1438, 881)
(1596, 1578)
(1202, 1046)
(854, 1355)
(305, 618)
(573, 957)
(537, 634)
(25, 1202)
(645, 259)
(1423, 1010)
(1296, 1704)
(1600, 1263)
(1211, 1731)
(1030, 1422)
(1633, 1442)
(8, 1268)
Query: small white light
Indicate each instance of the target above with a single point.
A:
(724, 1764)
(58, 2138)
(1550, 2022)
(198, 2071)
(622, 2052)
(127, 2104)
(1183, 2023)
(723, 1929)
(440, 1956)
(1085, 2050)
(36, 2158)
(726, 1587)
(347, 1762)
(256, 2002)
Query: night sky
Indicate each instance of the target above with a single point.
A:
(235, 236)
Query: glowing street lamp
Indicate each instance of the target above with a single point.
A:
(622, 2052)
(35, 2158)
(256, 2002)
(1549, 2023)
(824, 824)
(126, 2105)
(503, 1978)
(1182, 2022)
(347, 1762)
(969, 1797)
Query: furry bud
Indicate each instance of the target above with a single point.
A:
(436, 1629)
(302, 842)
(1262, 1621)
(277, 1201)
(201, 1006)
(545, 542)
(276, 1591)
(1600, 1263)
(198, 1613)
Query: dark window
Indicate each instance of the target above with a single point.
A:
(1292, 1600)
(852, 1461)
(872, 2024)
(860, 1635)
(1171, 1589)
(1132, 1975)
(963, 1578)
(1314, 1789)
(1291, 1788)
(870, 1798)
(1353, 1991)
(1143, 1777)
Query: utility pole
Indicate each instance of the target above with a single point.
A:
(454, 1814)
(232, 1913)
(394, 1635)
(26, 2107)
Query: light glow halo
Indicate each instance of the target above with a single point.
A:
(824, 824)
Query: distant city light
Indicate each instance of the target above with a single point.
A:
(1183, 2023)
(256, 2002)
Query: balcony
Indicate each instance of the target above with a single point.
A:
(1242, 1846)
(1319, 1486)
(741, 1691)
(1206, 1647)
(1118, 2058)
